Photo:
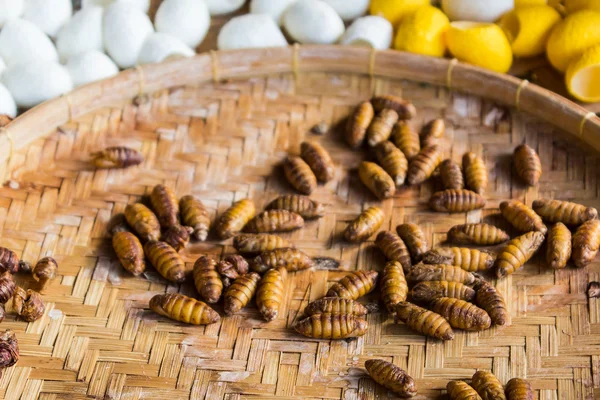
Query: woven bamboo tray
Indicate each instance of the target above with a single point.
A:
(216, 126)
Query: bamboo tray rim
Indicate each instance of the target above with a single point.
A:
(215, 66)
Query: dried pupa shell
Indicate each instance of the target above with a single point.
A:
(9, 349)
(319, 160)
(9, 261)
(414, 238)
(117, 157)
(195, 215)
(558, 250)
(241, 291)
(335, 305)
(406, 139)
(28, 304)
(358, 123)
(593, 289)
(289, 258)
(207, 279)
(7, 287)
(183, 309)
(233, 220)
(299, 175)
(304, 206)
(488, 386)
(165, 205)
(404, 108)
(270, 293)
(478, 234)
(143, 221)
(392, 160)
(459, 390)
(177, 236)
(517, 252)
(165, 260)
(376, 180)
(456, 201)
(424, 321)
(519, 389)
(332, 326)
(492, 301)
(381, 127)
(451, 175)
(468, 259)
(423, 164)
(130, 252)
(354, 285)
(393, 286)
(441, 272)
(365, 225)
(586, 242)
(254, 244)
(522, 217)
(233, 266)
(425, 292)
(393, 248)
(563, 211)
(432, 132)
(461, 314)
(391, 377)
(24, 267)
(528, 164)
(476, 172)
(274, 221)
(45, 270)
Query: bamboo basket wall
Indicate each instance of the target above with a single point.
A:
(216, 126)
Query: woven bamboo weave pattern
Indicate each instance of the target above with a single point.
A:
(223, 142)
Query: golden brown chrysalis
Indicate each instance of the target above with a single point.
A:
(207, 280)
(235, 218)
(451, 175)
(563, 211)
(414, 238)
(183, 309)
(304, 206)
(379, 182)
(424, 321)
(461, 314)
(332, 326)
(117, 157)
(299, 175)
(456, 201)
(558, 246)
(392, 377)
(319, 160)
(522, 217)
(477, 234)
(517, 252)
(381, 127)
(488, 386)
(423, 165)
(586, 242)
(365, 225)
(527, 164)
(358, 123)
(354, 285)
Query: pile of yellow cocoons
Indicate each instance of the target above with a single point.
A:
(491, 33)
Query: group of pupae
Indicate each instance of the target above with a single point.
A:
(444, 285)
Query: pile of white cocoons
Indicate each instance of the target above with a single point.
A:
(46, 49)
